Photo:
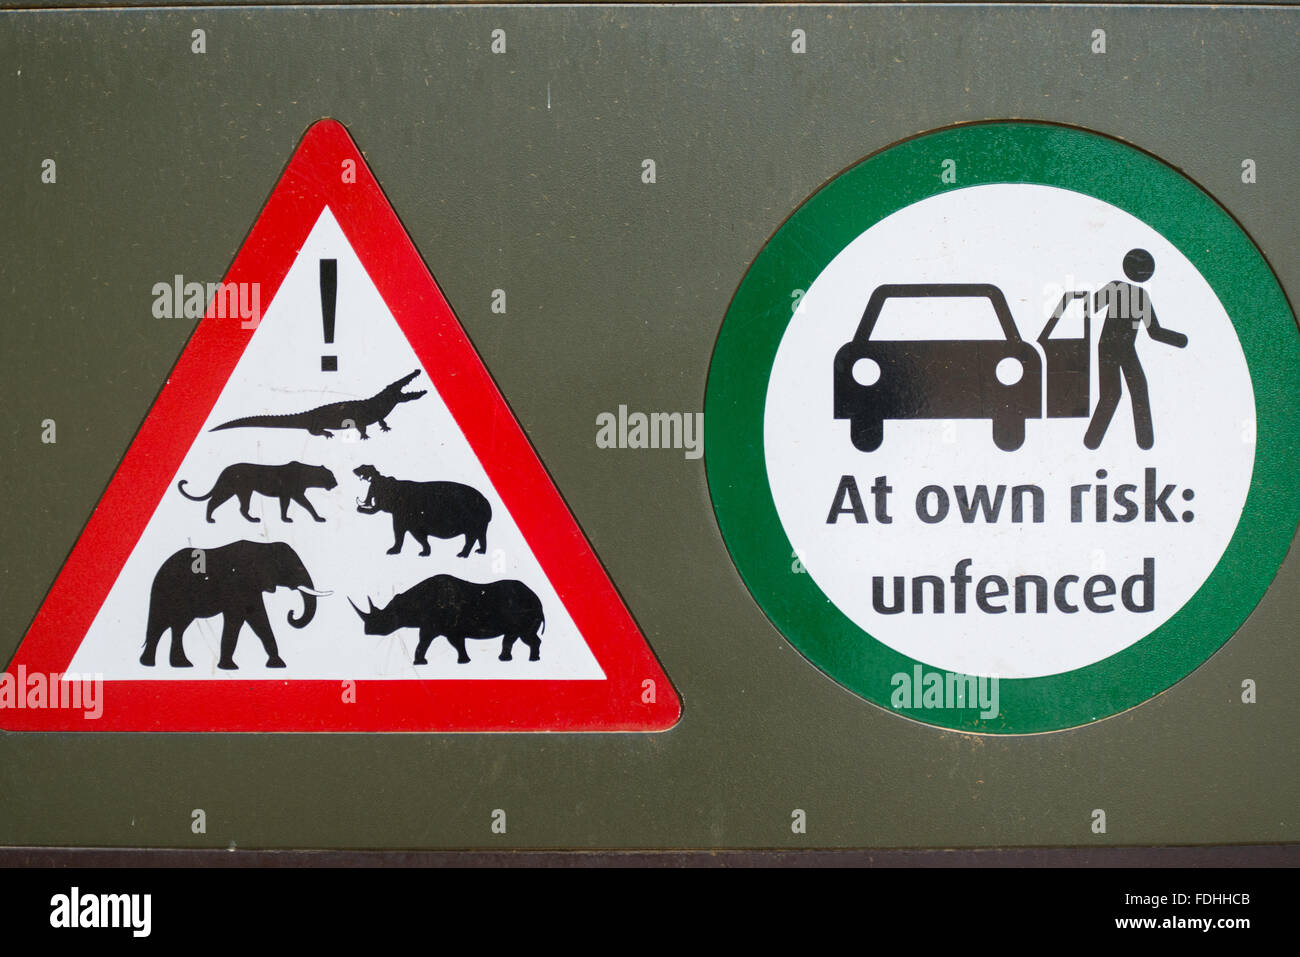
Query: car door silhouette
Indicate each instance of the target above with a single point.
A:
(1069, 357)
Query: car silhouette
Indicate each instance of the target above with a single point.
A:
(938, 368)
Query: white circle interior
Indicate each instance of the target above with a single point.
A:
(1034, 243)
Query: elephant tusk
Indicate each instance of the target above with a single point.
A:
(313, 592)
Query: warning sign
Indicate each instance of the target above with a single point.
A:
(330, 520)
(1017, 397)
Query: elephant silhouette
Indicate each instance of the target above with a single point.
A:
(228, 581)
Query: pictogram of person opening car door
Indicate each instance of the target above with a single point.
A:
(937, 351)
(952, 351)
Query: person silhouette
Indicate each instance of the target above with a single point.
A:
(1128, 306)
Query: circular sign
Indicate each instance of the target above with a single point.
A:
(1002, 428)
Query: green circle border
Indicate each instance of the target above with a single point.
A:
(897, 176)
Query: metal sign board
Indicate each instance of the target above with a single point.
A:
(980, 546)
(349, 305)
(691, 342)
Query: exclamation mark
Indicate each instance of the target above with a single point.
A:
(329, 287)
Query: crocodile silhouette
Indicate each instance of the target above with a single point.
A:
(356, 414)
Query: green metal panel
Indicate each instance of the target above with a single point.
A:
(522, 170)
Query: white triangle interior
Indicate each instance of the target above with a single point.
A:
(280, 372)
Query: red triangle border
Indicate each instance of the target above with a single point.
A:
(312, 180)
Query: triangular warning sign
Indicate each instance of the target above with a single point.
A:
(330, 520)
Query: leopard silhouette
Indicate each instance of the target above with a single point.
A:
(288, 483)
